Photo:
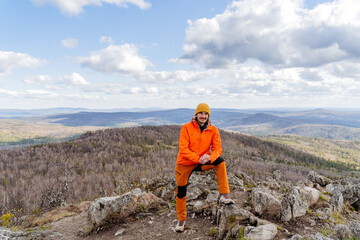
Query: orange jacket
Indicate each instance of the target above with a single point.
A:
(193, 143)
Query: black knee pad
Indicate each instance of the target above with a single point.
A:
(181, 191)
(218, 161)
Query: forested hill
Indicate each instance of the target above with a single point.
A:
(114, 160)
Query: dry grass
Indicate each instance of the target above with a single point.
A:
(16, 130)
(54, 215)
(345, 151)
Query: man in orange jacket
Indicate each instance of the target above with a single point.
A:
(199, 150)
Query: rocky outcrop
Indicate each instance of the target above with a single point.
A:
(116, 209)
(258, 205)
(248, 181)
(6, 234)
(337, 200)
(331, 188)
(312, 195)
(296, 202)
(264, 203)
(233, 220)
(316, 178)
(271, 199)
(235, 181)
(350, 192)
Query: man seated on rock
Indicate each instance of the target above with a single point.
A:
(199, 150)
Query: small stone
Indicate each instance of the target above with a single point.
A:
(312, 222)
(120, 231)
(342, 231)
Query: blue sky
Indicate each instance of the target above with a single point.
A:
(170, 54)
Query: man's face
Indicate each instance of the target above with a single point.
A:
(202, 117)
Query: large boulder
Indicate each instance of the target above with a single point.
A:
(229, 215)
(319, 179)
(292, 207)
(194, 191)
(312, 195)
(296, 201)
(235, 211)
(210, 201)
(263, 232)
(337, 200)
(351, 193)
(264, 203)
(331, 188)
(118, 208)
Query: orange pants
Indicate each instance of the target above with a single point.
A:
(183, 173)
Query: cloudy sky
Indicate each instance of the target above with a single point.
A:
(178, 53)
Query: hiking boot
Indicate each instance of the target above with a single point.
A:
(180, 226)
(225, 199)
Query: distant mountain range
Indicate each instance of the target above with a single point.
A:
(327, 123)
(21, 113)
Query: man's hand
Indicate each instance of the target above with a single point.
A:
(204, 159)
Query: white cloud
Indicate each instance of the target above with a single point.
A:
(344, 69)
(83, 97)
(58, 83)
(69, 43)
(38, 79)
(75, 7)
(242, 83)
(10, 60)
(8, 92)
(154, 90)
(107, 40)
(44, 81)
(281, 33)
(122, 59)
(76, 79)
(336, 13)
(118, 88)
(40, 93)
(174, 77)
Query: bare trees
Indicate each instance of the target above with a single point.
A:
(114, 160)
